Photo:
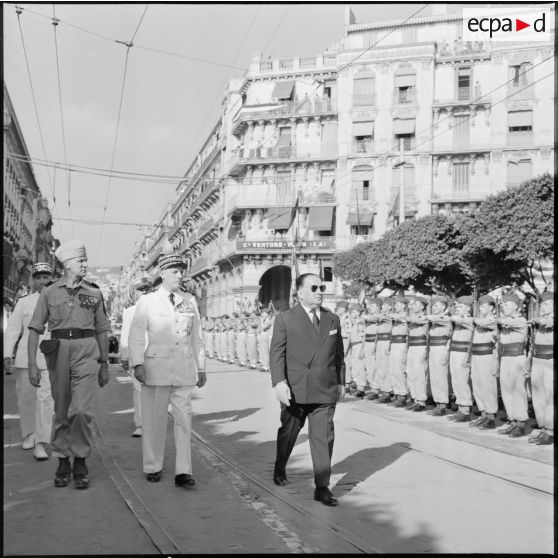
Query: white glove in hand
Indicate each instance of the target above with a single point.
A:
(283, 393)
(340, 392)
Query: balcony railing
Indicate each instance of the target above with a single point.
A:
(463, 93)
(409, 143)
(326, 60)
(405, 97)
(362, 147)
(364, 100)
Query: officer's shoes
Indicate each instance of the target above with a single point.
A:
(506, 429)
(411, 407)
(39, 453)
(63, 473)
(437, 412)
(418, 408)
(28, 442)
(154, 477)
(400, 403)
(488, 424)
(478, 421)
(372, 395)
(184, 480)
(518, 431)
(545, 440)
(80, 472)
(461, 417)
(534, 439)
(137, 432)
(360, 394)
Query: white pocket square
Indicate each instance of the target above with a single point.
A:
(333, 332)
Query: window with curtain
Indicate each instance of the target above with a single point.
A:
(409, 188)
(519, 171)
(460, 174)
(520, 127)
(461, 128)
(363, 91)
(327, 179)
(463, 84)
(362, 184)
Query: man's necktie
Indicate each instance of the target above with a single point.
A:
(171, 298)
(315, 320)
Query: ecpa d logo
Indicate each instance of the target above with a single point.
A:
(505, 24)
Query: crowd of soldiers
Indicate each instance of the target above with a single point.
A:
(411, 352)
(240, 338)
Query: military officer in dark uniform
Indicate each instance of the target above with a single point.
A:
(76, 357)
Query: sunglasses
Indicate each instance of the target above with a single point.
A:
(314, 288)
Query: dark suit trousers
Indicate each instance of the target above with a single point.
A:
(321, 434)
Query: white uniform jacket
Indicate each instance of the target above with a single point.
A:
(17, 325)
(175, 349)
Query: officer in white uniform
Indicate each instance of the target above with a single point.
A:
(140, 286)
(169, 368)
(35, 405)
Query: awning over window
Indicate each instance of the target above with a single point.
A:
(404, 126)
(320, 218)
(520, 118)
(283, 90)
(363, 128)
(279, 217)
(408, 80)
(360, 218)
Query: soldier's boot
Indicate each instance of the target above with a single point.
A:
(384, 398)
(507, 428)
(488, 424)
(533, 439)
(438, 411)
(419, 407)
(63, 473)
(372, 395)
(460, 416)
(400, 402)
(478, 421)
(546, 440)
(518, 431)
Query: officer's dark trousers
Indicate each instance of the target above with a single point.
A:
(321, 434)
(73, 372)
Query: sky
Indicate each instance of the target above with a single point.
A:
(169, 104)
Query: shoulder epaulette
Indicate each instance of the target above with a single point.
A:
(93, 284)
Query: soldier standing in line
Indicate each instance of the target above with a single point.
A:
(460, 365)
(484, 364)
(76, 356)
(231, 339)
(265, 338)
(371, 319)
(341, 310)
(140, 286)
(253, 323)
(383, 343)
(241, 326)
(398, 352)
(209, 336)
(355, 351)
(541, 362)
(417, 354)
(35, 405)
(223, 336)
(439, 336)
(513, 375)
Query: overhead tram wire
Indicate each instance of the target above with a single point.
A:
(142, 47)
(128, 46)
(54, 25)
(19, 10)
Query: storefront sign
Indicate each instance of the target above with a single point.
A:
(271, 245)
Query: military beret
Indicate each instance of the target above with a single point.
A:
(42, 267)
(342, 304)
(400, 299)
(487, 299)
(469, 300)
(442, 299)
(70, 249)
(511, 297)
(356, 307)
(141, 284)
(548, 295)
(388, 301)
(421, 299)
(373, 300)
(166, 261)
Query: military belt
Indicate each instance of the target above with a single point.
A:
(399, 339)
(512, 349)
(437, 341)
(417, 341)
(383, 336)
(459, 346)
(72, 333)
(482, 348)
(543, 351)
(370, 337)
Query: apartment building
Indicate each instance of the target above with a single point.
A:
(315, 154)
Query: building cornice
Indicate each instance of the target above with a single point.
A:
(358, 27)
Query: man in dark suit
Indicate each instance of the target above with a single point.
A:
(308, 376)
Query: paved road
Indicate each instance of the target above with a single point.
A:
(405, 483)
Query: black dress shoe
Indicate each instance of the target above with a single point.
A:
(324, 496)
(81, 481)
(184, 480)
(80, 473)
(63, 473)
(154, 477)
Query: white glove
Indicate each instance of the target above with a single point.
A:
(283, 393)
(340, 392)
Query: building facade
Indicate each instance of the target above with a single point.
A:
(314, 155)
(27, 219)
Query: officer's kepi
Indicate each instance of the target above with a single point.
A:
(167, 261)
(42, 267)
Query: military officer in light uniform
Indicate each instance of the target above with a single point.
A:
(371, 320)
(383, 345)
(439, 335)
(398, 350)
(341, 309)
(355, 351)
(35, 405)
(484, 364)
(252, 325)
(231, 338)
(417, 354)
(224, 336)
(76, 357)
(513, 373)
(140, 286)
(542, 371)
(241, 340)
(169, 368)
(265, 338)
(459, 362)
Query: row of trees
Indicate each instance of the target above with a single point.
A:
(502, 242)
